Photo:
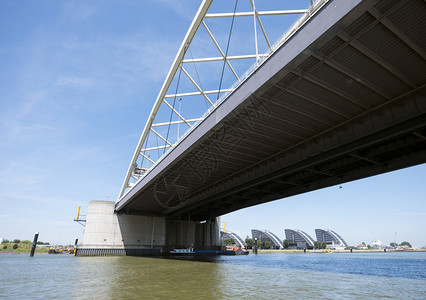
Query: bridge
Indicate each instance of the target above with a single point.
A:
(341, 100)
(341, 96)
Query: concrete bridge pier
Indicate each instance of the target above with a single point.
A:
(109, 233)
(202, 236)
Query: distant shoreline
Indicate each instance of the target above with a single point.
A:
(22, 253)
(264, 251)
(22, 248)
(260, 251)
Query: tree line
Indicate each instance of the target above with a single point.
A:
(18, 241)
(6, 243)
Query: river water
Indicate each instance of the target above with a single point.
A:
(263, 276)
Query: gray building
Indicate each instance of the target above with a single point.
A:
(231, 235)
(330, 237)
(265, 235)
(299, 238)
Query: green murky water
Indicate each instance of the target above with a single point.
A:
(266, 276)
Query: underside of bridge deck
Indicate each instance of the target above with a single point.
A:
(343, 99)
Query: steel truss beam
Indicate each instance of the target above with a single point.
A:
(151, 149)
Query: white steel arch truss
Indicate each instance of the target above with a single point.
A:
(168, 122)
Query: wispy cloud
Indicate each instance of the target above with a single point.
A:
(74, 81)
(79, 12)
(410, 214)
(180, 7)
(29, 102)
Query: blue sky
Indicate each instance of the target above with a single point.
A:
(77, 83)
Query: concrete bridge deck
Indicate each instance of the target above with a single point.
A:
(343, 99)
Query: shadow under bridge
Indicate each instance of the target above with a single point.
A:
(343, 99)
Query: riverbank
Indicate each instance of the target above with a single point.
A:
(266, 251)
(22, 248)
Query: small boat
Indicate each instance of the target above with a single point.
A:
(187, 251)
(235, 251)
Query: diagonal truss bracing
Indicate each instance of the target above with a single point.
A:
(191, 91)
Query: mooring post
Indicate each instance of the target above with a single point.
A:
(75, 247)
(255, 246)
(34, 244)
(152, 234)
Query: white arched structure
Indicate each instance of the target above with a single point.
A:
(168, 122)
(231, 235)
(299, 236)
(265, 235)
(330, 237)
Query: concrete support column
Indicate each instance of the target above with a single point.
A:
(182, 234)
(108, 233)
(111, 233)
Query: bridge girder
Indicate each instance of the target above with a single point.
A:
(152, 149)
(341, 100)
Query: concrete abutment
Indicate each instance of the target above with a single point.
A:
(109, 233)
